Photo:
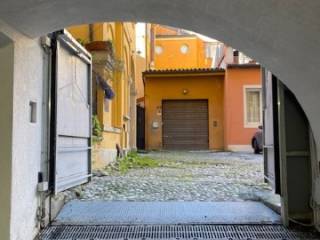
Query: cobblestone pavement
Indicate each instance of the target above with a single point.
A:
(182, 176)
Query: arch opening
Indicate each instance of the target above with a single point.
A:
(234, 55)
(275, 41)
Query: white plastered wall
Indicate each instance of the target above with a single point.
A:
(22, 86)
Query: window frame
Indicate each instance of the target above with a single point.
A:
(247, 88)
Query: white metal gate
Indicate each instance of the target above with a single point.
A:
(72, 113)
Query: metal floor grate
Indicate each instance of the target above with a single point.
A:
(229, 232)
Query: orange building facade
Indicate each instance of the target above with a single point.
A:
(243, 105)
(178, 79)
(173, 48)
(180, 52)
(234, 107)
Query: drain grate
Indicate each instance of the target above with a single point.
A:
(229, 232)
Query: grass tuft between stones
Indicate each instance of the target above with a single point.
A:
(133, 161)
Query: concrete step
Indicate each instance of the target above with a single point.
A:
(137, 213)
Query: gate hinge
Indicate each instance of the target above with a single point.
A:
(45, 42)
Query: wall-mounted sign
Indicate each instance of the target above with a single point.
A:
(155, 125)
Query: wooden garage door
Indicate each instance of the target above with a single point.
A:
(185, 124)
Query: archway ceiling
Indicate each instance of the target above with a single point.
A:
(282, 35)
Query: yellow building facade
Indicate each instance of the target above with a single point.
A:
(112, 46)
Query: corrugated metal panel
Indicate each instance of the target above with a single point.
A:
(73, 114)
(185, 124)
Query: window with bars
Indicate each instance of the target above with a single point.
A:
(253, 107)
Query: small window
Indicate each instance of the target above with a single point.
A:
(253, 107)
(184, 49)
(33, 112)
(159, 50)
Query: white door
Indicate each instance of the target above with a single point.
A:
(71, 164)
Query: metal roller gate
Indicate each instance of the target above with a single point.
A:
(185, 124)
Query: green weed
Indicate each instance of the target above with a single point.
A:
(133, 161)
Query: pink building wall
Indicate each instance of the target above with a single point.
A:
(237, 136)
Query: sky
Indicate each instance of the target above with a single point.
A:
(140, 39)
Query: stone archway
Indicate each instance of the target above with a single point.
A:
(283, 36)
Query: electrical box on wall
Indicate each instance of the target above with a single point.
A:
(155, 125)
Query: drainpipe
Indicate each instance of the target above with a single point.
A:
(91, 32)
(152, 43)
(235, 56)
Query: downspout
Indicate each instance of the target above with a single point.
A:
(91, 32)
